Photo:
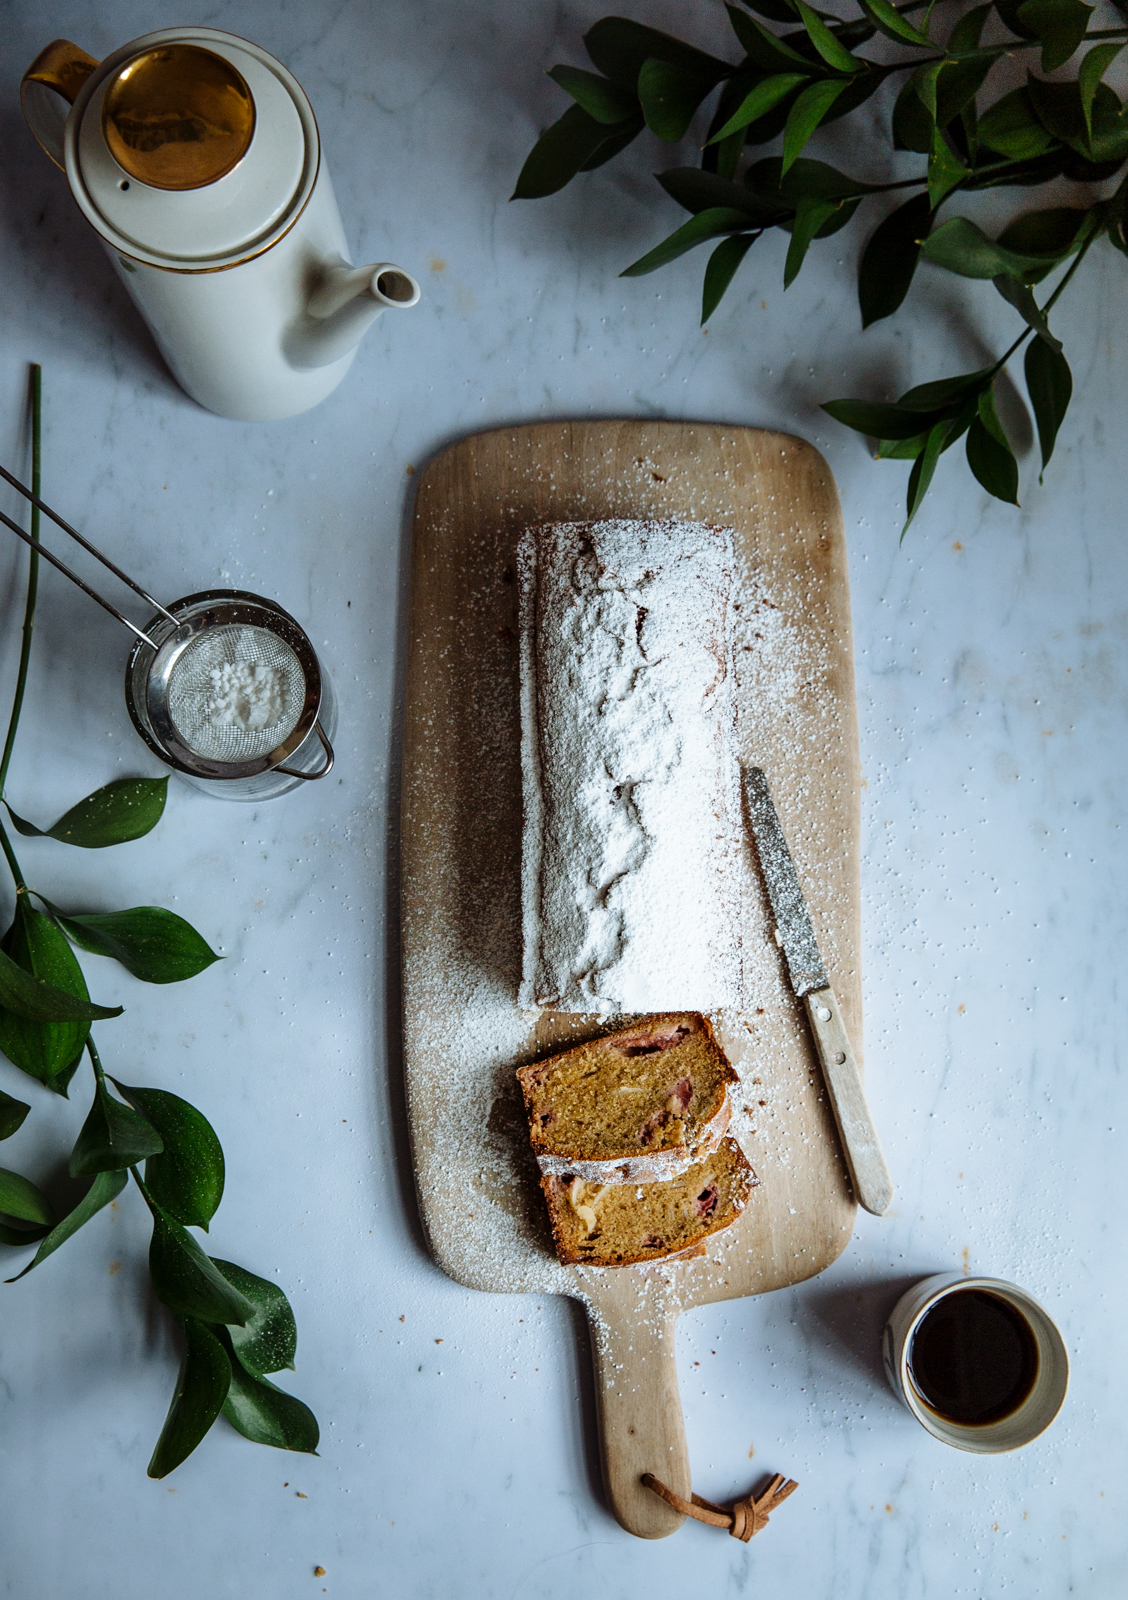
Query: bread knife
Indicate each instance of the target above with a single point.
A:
(796, 938)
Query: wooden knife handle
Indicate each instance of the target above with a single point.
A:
(640, 1416)
(868, 1172)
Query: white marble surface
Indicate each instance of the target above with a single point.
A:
(991, 677)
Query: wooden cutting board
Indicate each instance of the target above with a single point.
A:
(461, 891)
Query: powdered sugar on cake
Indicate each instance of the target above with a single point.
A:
(629, 766)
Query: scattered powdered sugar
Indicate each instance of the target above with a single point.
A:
(630, 775)
(465, 1034)
(246, 694)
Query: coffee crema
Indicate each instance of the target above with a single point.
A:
(973, 1358)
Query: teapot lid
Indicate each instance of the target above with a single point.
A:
(192, 149)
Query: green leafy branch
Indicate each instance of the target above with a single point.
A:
(786, 86)
(238, 1328)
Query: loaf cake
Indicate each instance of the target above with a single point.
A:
(622, 1224)
(638, 1106)
(631, 838)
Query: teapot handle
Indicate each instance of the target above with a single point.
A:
(62, 68)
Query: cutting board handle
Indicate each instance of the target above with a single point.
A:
(640, 1416)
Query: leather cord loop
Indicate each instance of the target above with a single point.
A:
(747, 1517)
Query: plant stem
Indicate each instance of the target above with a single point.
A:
(96, 1061)
(29, 615)
(1058, 292)
(32, 577)
(1074, 264)
(10, 857)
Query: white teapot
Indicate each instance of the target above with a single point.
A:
(195, 156)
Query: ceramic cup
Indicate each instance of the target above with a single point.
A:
(1035, 1413)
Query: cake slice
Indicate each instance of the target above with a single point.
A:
(622, 1224)
(639, 1106)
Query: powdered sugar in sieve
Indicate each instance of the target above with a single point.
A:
(235, 692)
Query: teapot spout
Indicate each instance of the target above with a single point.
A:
(342, 307)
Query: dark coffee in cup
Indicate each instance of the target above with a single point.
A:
(973, 1358)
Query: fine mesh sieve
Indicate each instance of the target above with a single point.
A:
(222, 685)
(235, 693)
(228, 689)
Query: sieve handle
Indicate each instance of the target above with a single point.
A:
(292, 772)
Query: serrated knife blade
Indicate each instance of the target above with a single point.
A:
(795, 935)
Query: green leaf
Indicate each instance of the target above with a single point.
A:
(17, 1238)
(705, 225)
(1099, 136)
(1096, 63)
(759, 100)
(723, 156)
(957, 84)
(105, 1188)
(561, 152)
(810, 216)
(29, 995)
(889, 21)
(805, 179)
(1011, 128)
(185, 1279)
(112, 1139)
(947, 392)
(600, 98)
(912, 125)
(988, 416)
(805, 115)
(855, 92)
(670, 95)
(923, 468)
(924, 81)
(875, 418)
(989, 454)
(1022, 299)
(619, 48)
(1049, 383)
(721, 270)
(966, 34)
(701, 191)
(961, 246)
(201, 1388)
(186, 1178)
(1058, 108)
(1054, 233)
(1060, 26)
(12, 1114)
(890, 259)
(269, 1339)
(126, 809)
(618, 139)
(1108, 122)
(59, 1083)
(1009, 11)
(42, 1049)
(265, 1414)
(155, 945)
(832, 52)
(766, 49)
(901, 449)
(20, 1198)
(945, 170)
(1046, 238)
(837, 220)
